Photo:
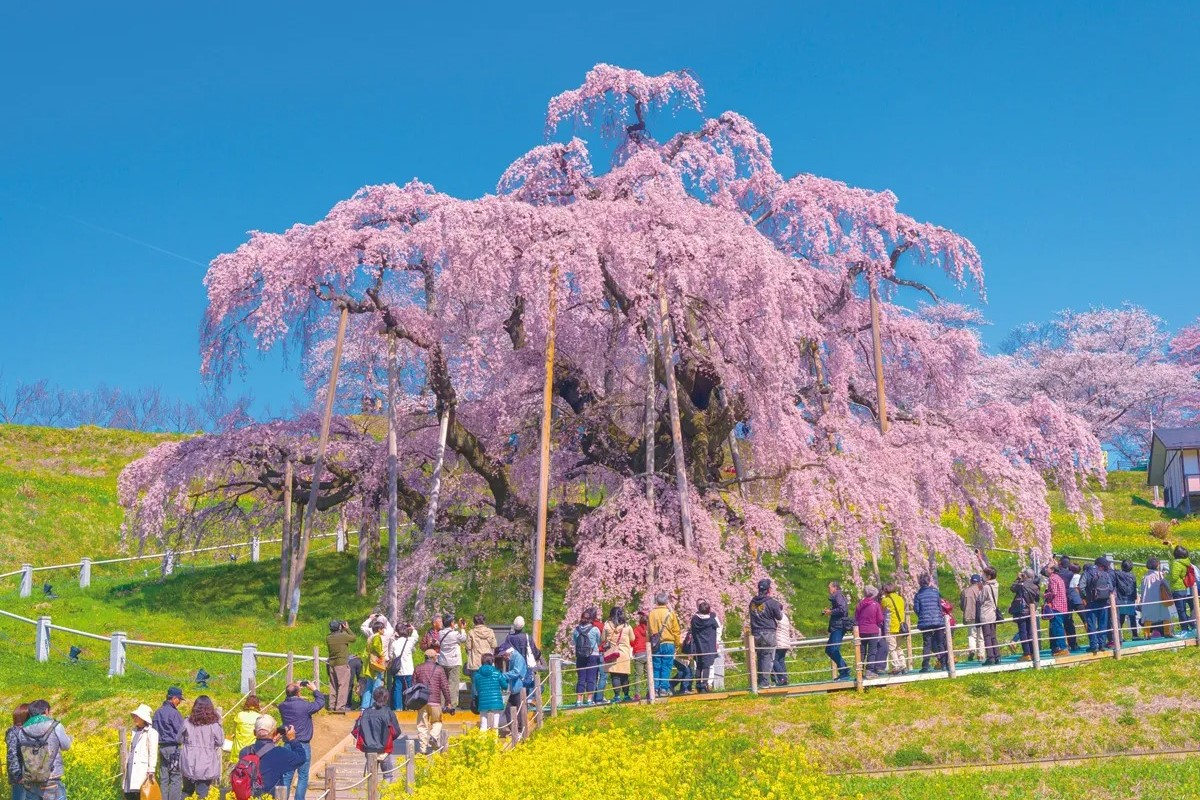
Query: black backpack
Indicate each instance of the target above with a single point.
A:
(583, 643)
(1101, 586)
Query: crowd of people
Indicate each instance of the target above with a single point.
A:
(1158, 603)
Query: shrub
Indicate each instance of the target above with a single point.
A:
(668, 765)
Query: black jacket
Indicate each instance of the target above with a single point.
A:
(704, 634)
(378, 727)
(765, 611)
(1126, 587)
(838, 609)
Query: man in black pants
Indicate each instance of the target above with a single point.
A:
(169, 724)
(765, 613)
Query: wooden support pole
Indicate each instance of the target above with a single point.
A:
(877, 346)
(555, 682)
(291, 666)
(908, 644)
(681, 476)
(310, 509)
(1114, 625)
(858, 660)
(372, 778)
(280, 793)
(949, 647)
(123, 750)
(410, 765)
(539, 561)
(751, 662)
(1035, 636)
(316, 666)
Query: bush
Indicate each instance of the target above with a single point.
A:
(583, 766)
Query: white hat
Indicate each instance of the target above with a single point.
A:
(143, 713)
(518, 623)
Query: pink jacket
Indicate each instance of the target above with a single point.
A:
(868, 615)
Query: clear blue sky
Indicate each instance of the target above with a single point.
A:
(1060, 137)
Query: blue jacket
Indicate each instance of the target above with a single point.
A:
(519, 676)
(486, 686)
(275, 759)
(927, 605)
(298, 712)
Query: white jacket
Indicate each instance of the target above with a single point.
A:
(403, 646)
(142, 759)
(389, 633)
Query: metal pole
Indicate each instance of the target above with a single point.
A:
(310, 510)
(539, 563)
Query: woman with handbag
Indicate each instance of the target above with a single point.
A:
(1155, 601)
(618, 653)
(142, 758)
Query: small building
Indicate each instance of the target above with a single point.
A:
(1175, 466)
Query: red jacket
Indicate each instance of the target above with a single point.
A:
(639, 638)
(434, 677)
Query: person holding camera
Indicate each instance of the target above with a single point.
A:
(297, 713)
(278, 754)
(337, 644)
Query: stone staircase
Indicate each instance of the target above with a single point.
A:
(349, 762)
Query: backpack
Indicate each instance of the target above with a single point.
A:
(416, 697)
(656, 638)
(246, 779)
(583, 642)
(1101, 586)
(37, 757)
(1189, 576)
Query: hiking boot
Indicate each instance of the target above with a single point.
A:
(1057, 653)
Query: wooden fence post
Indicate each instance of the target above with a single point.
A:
(1115, 625)
(330, 782)
(949, 648)
(316, 666)
(373, 778)
(555, 684)
(1196, 610)
(291, 666)
(410, 767)
(123, 750)
(538, 713)
(1035, 635)
(908, 645)
(751, 662)
(280, 793)
(858, 661)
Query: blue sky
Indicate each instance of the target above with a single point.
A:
(1061, 138)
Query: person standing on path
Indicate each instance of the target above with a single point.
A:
(642, 673)
(618, 652)
(989, 615)
(375, 664)
(1056, 610)
(969, 603)
(1154, 600)
(200, 749)
(586, 641)
(765, 614)
(43, 731)
(243, 725)
(429, 716)
(1063, 571)
(704, 627)
(927, 605)
(868, 616)
(400, 663)
(1181, 566)
(379, 728)
(142, 756)
(450, 640)
(169, 724)
(665, 631)
(487, 687)
(337, 668)
(783, 644)
(13, 753)
(480, 640)
(839, 617)
(1127, 593)
(297, 712)
(896, 612)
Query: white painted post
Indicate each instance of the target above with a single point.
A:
(42, 640)
(1035, 635)
(718, 669)
(85, 572)
(168, 563)
(555, 684)
(26, 580)
(255, 549)
(249, 664)
(116, 654)
(410, 765)
(949, 647)
(751, 662)
(341, 537)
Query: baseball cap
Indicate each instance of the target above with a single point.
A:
(174, 691)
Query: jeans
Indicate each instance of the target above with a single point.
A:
(601, 682)
(1068, 623)
(56, 791)
(1025, 634)
(1183, 607)
(833, 649)
(301, 773)
(764, 651)
(1058, 641)
(664, 658)
(18, 792)
(1099, 628)
(170, 779)
(779, 667)
(587, 671)
(683, 676)
(874, 653)
(399, 684)
(387, 766)
(369, 686)
(933, 645)
(1127, 611)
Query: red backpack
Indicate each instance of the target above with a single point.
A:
(1189, 576)
(246, 778)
